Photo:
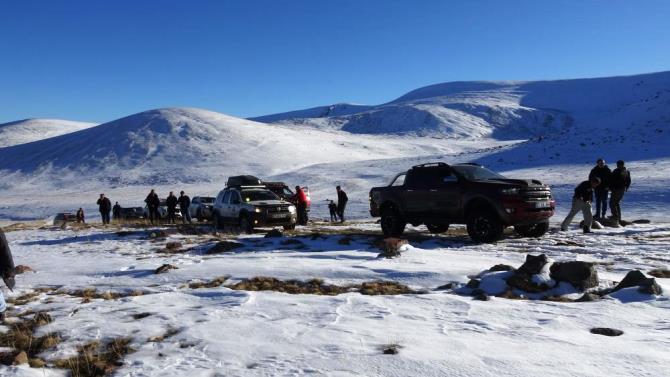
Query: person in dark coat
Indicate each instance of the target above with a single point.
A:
(342, 200)
(184, 204)
(80, 216)
(171, 203)
(332, 207)
(116, 211)
(153, 202)
(301, 205)
(619, 184)
(6, 270)
(105, 206)
(581, 201)
(602, 171)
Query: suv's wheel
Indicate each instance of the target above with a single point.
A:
(484, 226)
(246, 225)
(533, 230)
(437, 228)
(198, 215)
(289, 227)
(392, 223)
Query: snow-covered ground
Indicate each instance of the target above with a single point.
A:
(440, 333)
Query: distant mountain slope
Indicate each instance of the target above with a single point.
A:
(505, 110)
(189, 145)
(29, 130)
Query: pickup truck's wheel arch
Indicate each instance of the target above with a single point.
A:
(392, 221)
(482, 222)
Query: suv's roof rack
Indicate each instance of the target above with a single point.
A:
(470, 163)
(429, 164)
(247, 186)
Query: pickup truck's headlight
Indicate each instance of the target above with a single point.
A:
(257, 210)
(510, 191)
(291, 209)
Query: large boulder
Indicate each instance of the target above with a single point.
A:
(533, 264)
(637, 278)
(581, 275)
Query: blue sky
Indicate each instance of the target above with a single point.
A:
(99, 60)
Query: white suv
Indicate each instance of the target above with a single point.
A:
(250, 207)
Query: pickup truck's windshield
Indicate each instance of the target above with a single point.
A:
(476, 173)
(250, 196)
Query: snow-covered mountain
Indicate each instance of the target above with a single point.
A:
(29, 130)
(504, 110)
(188, 145)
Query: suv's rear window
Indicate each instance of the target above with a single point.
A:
(250, 196)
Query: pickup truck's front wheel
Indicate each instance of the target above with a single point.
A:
(533, 230)
(392, 222)
(246, 225)
(437, 228)
(484, 226)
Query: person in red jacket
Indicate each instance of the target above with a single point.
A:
(301, 205)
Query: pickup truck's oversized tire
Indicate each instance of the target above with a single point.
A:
(484, 226)
(392, 222)
(246, 225)
(533, 230)
(437, 228)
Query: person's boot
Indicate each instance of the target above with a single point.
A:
(2, 317)
(587, 229)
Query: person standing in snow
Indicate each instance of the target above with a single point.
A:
(619, 184)
(184, 204)
(6, 270)
(342, 200)
(581, 201)
(152, 206)
(301, 205)
(171, 203)
(602, 171)
(104, 205)
(116, 211)
(80, 216)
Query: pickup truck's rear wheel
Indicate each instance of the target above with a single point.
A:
(533, 230)
(437, 228)
(484, 226)
(246, 225)
(392, 222)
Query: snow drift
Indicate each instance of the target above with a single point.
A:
(29, 130)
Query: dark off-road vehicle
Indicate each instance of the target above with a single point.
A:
(438, 194)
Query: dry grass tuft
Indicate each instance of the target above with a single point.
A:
(20, 338)
(216, 282)
(391, 349)
(159, 338)
(314, 286)
(384, 288)
(95, 359)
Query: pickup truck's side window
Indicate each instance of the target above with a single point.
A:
(399, 181)
(235, 198)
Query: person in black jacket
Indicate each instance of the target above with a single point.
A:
(153, 202)
(104, 205)
(171, 203)
(619, 184)
(581, 201)
(602, 171)
(6, 271)
(116, 211)
(342, 200)
(184, 204)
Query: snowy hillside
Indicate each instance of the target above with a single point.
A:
(29, 130)
(507, 109)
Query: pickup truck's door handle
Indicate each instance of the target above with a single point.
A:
(409, 190)
(433, 190)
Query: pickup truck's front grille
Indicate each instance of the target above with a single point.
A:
(275, 209)
(536, 194)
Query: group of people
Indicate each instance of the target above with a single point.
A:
(171, 202)
(602, 181)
